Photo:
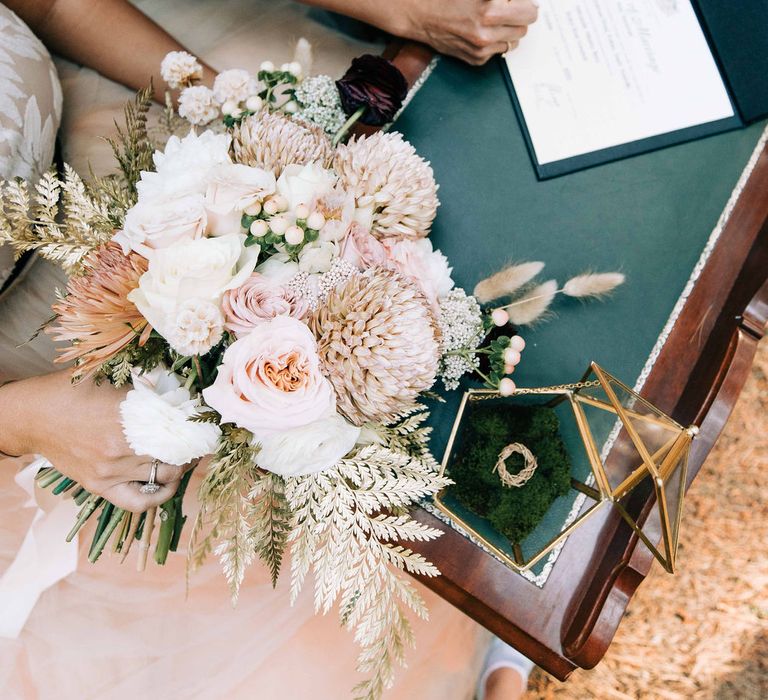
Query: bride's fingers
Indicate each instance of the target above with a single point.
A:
(165, 472)
(128, 496)
(509, 12)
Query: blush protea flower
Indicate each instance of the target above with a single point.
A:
(95, 317)
(387, 175)
(272, 141)
(379, 345)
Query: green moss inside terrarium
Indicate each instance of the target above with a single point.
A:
(514, 512)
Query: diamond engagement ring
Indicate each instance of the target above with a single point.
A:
(151, 486)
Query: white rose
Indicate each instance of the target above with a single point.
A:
(302, 184)
(417, 260)
(202, 269)
(197, 106)
(235, 84)
(317, 257)
(180, 68)
(308, 449)
(150, 225)
(184, 166)
(231, 189)
(155, 416)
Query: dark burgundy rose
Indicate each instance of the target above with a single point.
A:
(372, 82)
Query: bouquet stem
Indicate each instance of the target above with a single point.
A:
(341, 133)
(116, 516)
(146, 536)
(136, 522)
(91, 504)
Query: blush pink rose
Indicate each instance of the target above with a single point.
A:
(259, 300)
(270, 380)
(362, 250)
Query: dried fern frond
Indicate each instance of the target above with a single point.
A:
(61, 219)
(349, 527)
(533, 305)
(223, 511)
(270, 519)
(133, 147)
(593, 285)
(507, 281)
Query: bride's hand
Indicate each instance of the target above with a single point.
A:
(77, 427)
(472, 30)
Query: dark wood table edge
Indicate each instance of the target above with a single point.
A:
(714, 340)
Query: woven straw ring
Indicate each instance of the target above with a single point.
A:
(525, 474)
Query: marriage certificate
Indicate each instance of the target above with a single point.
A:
(594, 76)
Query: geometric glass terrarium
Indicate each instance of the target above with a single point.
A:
(596, 444)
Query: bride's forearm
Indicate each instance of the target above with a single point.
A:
(110, 36)
(393, 16)
(14, 439)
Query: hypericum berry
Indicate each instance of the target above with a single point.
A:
(254, 103)
(281, 202)
(302, 211)
(517, 343)
(316, 220)
(294, 235)
(500, 317)
(279, 224)
(267, 67)
(270, 207)
(230, 107)
(507, 387)
(259, 228)
(254, 209)
(511, 357)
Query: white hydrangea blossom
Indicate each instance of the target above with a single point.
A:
(461, 326)
(320, 103)
(197, 105)
(180, 68)
(234, 85)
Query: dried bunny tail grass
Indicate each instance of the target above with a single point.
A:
(302, 55)
(593, 285)
(532, 307)
(507, 281)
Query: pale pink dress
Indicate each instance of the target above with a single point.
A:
(107, 632)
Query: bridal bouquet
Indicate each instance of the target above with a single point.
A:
(269, 291)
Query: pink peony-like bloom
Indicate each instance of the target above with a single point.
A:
(259, 300)
(271, 380)
(419, 262)
(362, 250)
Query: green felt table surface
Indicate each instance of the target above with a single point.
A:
(649, 216)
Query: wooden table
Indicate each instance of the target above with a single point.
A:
(703, 365)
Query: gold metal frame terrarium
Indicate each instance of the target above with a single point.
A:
(633, 449)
